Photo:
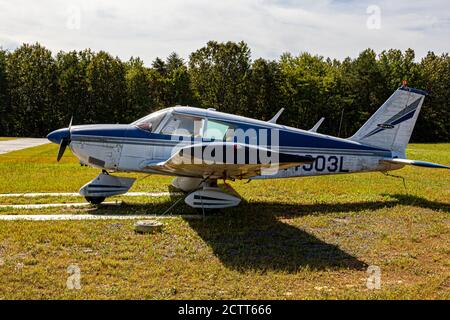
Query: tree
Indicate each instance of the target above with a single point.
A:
(105, 77)
(39, 92)
(4, 97)
(265, 98)
(307, 80)
(178, 82)
(365, 84)
(434, 120)
(173, 63)
(73, 95)
(160, 66)
(178, 85)
(396, 67)
(139, 98)
(219, 75)
(31, 75)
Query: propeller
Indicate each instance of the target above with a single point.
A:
(64, 143)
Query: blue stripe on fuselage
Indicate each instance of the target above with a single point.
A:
(299, 139)
(287, 137)
(104, 130)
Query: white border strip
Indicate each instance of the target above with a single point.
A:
(75, 194)
(54, 205)
(75, 217)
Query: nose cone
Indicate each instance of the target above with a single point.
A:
(57, 135)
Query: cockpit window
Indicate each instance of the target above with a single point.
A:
(151, 122)
(180, 125)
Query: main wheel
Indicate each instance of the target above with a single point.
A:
(95, 200)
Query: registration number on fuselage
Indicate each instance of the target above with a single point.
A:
(324, 163)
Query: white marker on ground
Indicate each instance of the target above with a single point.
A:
(53, 217)
(75, 194)
(55, 205)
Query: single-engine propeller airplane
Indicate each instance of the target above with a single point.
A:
(200, 146)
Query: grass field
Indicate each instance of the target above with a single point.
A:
(6, 138)
(301, 238)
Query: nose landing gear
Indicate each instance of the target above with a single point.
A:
(104, 186)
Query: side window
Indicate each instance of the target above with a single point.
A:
(184, 126)
(218, 131)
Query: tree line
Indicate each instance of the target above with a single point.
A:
(40, 91)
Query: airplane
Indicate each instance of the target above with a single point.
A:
(199, 146)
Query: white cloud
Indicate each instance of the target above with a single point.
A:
(270, 27)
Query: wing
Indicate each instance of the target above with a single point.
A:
(226, 160)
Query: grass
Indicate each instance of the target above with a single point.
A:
(7, 138)
(303, 238)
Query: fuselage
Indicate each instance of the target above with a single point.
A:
(155, 138)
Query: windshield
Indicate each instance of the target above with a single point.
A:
(151, 122)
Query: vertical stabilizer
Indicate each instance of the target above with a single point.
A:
(391, 126)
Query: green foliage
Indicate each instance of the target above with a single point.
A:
(39, 92)
(32, 83)
(220, 76)
(73, 95)
(107, 88)
(178, 82)
(4, 95)
(265, 96)
(307, 80)
(138, 90)
(434, 120)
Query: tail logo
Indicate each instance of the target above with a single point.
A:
(385, 126)
(398, 118)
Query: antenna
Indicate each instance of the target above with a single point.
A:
(340, 122)
(317, 125)
(275, 117)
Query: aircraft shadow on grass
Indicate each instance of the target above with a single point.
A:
(251, 236)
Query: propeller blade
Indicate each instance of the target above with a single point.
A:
(62, 147)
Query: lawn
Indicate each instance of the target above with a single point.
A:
(301, 238)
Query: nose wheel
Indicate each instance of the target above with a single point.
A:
(95, 200)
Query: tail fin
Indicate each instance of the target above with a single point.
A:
(391, 126)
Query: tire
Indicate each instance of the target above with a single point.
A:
(95, 200)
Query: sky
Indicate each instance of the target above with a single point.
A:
(150, 29)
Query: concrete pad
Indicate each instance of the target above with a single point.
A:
(54, 217)
(20, 143)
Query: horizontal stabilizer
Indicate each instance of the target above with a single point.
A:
(416, 163)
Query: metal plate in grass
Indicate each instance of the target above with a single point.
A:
(148, 226)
